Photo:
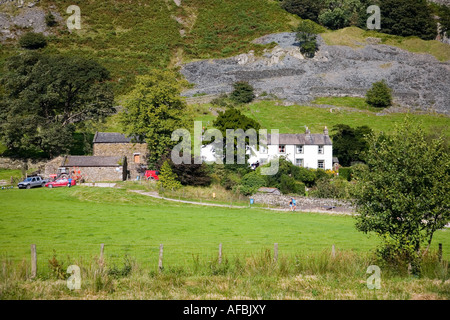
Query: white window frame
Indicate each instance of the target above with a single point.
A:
(318, 164)
(302, 162)
(282, 146)
(297, 147)
(321, 149)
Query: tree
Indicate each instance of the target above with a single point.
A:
(167, 178)
(305, 9)
(45, 96)
(306, 34)
(380, 95)
(340, 13)
(251, 182)
(408, 18)
(402, 194)
(349, 144)
(242, 93)
(233, 119)
(33, 41)
(153, 110)
(192, 174)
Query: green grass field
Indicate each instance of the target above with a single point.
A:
(70, 224)
(74, 222)
(351, 111)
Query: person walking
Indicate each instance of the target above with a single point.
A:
(294, 204)
(290, 205)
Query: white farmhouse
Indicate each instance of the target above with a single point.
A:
(308, 150)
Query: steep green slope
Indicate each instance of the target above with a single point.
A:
(130, 38)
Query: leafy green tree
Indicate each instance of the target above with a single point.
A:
(167, 178)
(349, 144)
(380, 95)
(192, 174)
(305, 9)
(33, 41)
(233, 119)
(340, 13)
(243, 92)
(402, 194)
(408, 18)
(251, 182)
(46, 96)
(306, 34)
(153, 110)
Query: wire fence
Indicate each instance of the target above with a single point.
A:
(171, 254)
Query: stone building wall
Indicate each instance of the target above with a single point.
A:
(124, 149)
(92, 174)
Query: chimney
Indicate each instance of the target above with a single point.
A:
(325, 131)
(307, 130)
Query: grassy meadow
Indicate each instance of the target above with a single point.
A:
(68, 226)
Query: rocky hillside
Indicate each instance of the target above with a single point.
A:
(214, 43)
(418, 80)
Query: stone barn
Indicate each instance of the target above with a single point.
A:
(110, 144)
(94, 168)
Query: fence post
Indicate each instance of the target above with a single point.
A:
(220, 253)
(33, 261)
(333, 251)
(440, 252)
(102, 247)
(275, 252)
(160, 263)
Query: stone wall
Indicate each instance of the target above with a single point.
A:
(92, 174)
(317, 204)
(126, 150)
(17, 164)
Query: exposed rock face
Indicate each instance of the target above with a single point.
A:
(418, 80)
(29, 18)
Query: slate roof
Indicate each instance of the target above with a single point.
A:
(114, 137)
(302, 139)
(92, 161)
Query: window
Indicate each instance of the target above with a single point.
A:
(137, 157)
(299, 162)
(282, 148)
(320, 149)
(299, 148)
(321, 164)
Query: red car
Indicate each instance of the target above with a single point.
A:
(61, 183)
(152, 175)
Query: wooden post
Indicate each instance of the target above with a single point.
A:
(160, 263)
(220, 253)
(333, 251)
(440, 252)
(275, 252)
(102, 248)
(33, 261)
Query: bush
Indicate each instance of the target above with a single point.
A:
(251, 182)
(307, 36)
(380, 95)
(307, 176)
(345, 173)
(243, 92)
(50, 20)
(288, 185)
(331, 188)
(32, 41)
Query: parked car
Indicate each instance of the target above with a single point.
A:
(60, 183)
(152, 175)
(32, 182)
